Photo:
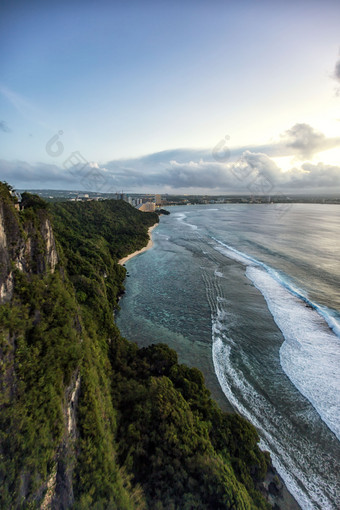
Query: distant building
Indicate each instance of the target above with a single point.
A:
(158, 199)
(120, 196)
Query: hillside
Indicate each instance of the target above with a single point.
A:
(87, 419)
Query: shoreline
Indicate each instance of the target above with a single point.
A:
(274, 488)
(142, 250)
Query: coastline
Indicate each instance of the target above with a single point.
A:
(273, 487)
(137, 252)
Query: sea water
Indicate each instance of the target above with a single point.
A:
(249, 293)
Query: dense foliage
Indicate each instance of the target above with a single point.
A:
(82, 224)
(40, 351)
(181, 448)
(148, 435)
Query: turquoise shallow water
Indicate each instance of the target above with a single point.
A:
(250, 295)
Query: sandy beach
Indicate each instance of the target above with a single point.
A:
(147, 247)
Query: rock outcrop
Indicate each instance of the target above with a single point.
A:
(25, 244)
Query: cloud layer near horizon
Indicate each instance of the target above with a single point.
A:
(195, 171)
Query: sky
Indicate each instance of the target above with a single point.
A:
(171, 97)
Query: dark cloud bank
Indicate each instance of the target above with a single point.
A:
(197, 171)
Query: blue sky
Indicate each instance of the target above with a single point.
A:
(144, 91)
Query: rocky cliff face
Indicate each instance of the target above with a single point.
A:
(9, 237)
(59, 485)
(28, 251)
(24, 245)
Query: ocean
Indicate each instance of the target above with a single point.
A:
(250, 294)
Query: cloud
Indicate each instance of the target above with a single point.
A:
(314, 177)
(195, 171)
(337, 71)
(4, 127)
(309, 177)
(336, 76)
(254, 173)
(304, 141)
(24, 175)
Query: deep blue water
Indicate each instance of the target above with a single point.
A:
(250, 295)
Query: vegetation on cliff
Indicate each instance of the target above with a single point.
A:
(145, 432)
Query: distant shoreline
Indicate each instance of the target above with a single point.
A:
(147, 247)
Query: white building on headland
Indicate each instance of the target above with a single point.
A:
(147, 207)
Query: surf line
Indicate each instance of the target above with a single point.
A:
(248, 260)
(310, 353)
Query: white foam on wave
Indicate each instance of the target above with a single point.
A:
(181, 217)
(330, 316)
(194, 227)
(234, 254)
(310, 355)
(261, 415)
(219, 274)
(163, 235)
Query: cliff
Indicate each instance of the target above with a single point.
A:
(26, 242)
(37, 431)
(88, 420)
